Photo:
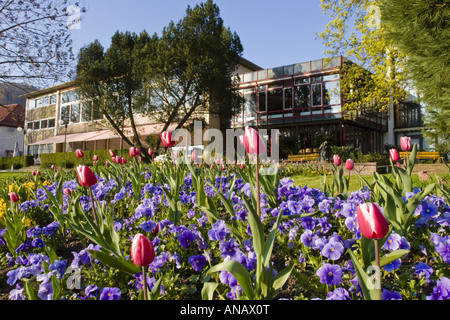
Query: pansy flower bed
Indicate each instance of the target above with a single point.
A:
(64, 238)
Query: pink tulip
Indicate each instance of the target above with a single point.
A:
(85, 176)
(150, 152)
(79, 153)
(67, 192)
(349, 164)
(95, 157)
(142, 251)
(405, 143)
(134, 152)
(393, 153)
(123, 160)
(111, 153)
(193, 156)
(166, 138)
(53, 167)
(337, 160)
(13, 197)
(371, 221)
(252, 141)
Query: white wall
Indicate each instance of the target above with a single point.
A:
(8, 138)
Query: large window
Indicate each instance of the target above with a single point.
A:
(42, 102)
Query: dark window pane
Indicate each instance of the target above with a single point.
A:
(302, 97)
(275, 100)
(317, 94)
(288, 98)
(262, 102)
(75, 113)
(51, 123)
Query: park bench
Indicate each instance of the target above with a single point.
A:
(305, 157)
(423, 155)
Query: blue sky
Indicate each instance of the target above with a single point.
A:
(273, 33)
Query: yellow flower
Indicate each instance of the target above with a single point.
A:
(2, 208)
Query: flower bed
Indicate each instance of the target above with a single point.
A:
(62, 240)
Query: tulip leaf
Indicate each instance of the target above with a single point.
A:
(392, 256)
(280, 279)
(239, 272)
(208, 290)
(32, 294)
(114, 262)
(364, 280)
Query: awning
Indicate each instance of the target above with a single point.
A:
(144, 130)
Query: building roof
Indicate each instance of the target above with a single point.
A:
(12, 115)
(49, 90)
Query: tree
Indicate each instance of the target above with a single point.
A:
(113, 81)
(372, 76)
(190, 71)
(421, 30)
(35, 43)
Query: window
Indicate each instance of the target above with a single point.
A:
(75, 113)
(302, 97)
(65, 113)
(51, 123)
(262, 96)
(316, 94)
(36, 125)
(31, 104)
(288, 98)
(69, 96)
(86, 111)
(30, 125)
(331, 93)
(275, 100)
(44, 124)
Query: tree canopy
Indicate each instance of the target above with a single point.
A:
(421, 30)
(171, 78)
(35, 42)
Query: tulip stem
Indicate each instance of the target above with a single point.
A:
(378, 271)
(93, 205)
(258, 200)
(144, 281)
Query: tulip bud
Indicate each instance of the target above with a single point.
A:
(252, 141)
(111, 153)
(95, 157)
(405, 143)
(142, 252)
(123, 160)
(33, 173)
(166, 138)
(13, 197)
(337, 160)
(79, 153)
(85, 176)
(150, 152)
(349, 164)
(393, 153)
(67, 192)
(134, 152)
(53, 167)
(371, 221)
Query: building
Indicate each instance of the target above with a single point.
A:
(303, 100)
(11, 129)
(57, 121)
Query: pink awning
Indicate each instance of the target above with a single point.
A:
(106, 134)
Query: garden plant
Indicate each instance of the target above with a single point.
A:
(175, 229)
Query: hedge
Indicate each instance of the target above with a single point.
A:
(17, 162)
(69, 160)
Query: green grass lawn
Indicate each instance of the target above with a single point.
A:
(355, 181)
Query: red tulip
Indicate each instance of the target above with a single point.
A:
(13, 197)
(95, 157)
(337, 160)
(33, 173)
(53, 167)
(85, 176)
(142, 252)
(166, 138)
(252, 141)
(393, 153)
(79, 153)
(67, 192)
(155, 229)
(371, 221)
(150, 152)
(405, 143)
(123, 160)
(111, 153)
(117, 159)
(134, 152)
(349, 164)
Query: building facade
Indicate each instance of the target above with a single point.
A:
(304, 100)
(11, 129)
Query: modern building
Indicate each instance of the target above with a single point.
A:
(304, 100)
(11, 129)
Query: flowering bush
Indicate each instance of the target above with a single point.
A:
(210, 243)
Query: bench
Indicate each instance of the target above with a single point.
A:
(423, 155)
(303, 157)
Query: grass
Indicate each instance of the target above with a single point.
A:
(355, 181)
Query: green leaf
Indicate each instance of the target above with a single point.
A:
(280, 279)
(30, 290)
(208, 290)
(362, 277)
(392, 256)
(239, 272)
(115, 262)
